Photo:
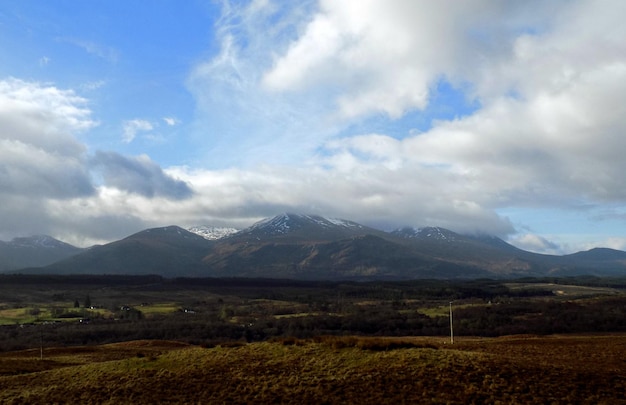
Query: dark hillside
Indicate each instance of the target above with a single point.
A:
(359, 258)
(170, 251)
(33, 251)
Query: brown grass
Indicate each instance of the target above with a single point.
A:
(346, 370)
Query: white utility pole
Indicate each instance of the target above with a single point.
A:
(451, 327)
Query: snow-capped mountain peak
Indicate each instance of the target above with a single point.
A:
(277, 225)
(287, 222)
(212, 232)
(302, 227)
(323, 221)
(438, 233)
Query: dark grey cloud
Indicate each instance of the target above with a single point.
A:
(37, 176)
(72, 223)
(85, 230)
(138, 175)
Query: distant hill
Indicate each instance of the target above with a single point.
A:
(312, 247)
(167, 251)
(597, 261)
(33, 251)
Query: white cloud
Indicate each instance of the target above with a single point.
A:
(94, 85)
(547, 131)
(238, 122)
(37, 156)
(101, 51)
(132, 127)
(382, 198)
(385, 57)
(47, 178)
(535, 243)
(171, 121)
(566, 243)
(550, 127)
(614, 242)
(287, 104)
(39, 159)
(63, 110)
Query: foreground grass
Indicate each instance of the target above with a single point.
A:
(571, 369)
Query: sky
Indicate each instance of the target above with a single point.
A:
(480, 116)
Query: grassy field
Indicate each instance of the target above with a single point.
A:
(347, 370)
(151, 341)
(565, 290)
(27, 314)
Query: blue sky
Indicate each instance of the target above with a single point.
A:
(478, 116)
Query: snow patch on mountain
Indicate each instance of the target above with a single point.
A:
(38, 241)
(285, 223)
(431, 232)
(344, 223)
(439, 234)
(280, 224)
(212, 232)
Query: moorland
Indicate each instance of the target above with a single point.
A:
(325, 370)
(147, 339)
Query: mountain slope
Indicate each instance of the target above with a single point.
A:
(357, 258)
(490, 253)
(170, 251)
(597, 261)
(298, 228)
(33, 251)
(308, 246)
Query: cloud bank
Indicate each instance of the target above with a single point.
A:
(321, 109)
(548, 80)
(45, 168)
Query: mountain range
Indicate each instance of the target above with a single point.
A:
(34, 251)
(311, 247)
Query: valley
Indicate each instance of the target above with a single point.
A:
(147, 339)
(78, 310)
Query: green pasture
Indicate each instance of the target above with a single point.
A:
(45, 312)
(42, 313)
(162, 308)
(12, 316)
(565, 289)
(444, 310)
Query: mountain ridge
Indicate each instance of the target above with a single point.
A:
(158, 251)
(314, 247)
(33, 251)
(300, 227)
